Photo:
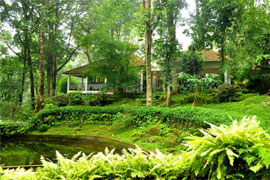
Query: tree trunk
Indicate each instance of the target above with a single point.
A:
(171, 56)
(49, 71)
(32, 81)
(23, 80)
(148, 40)
(168, 97)
(54, 75)
(50, 50)
(54, 67)
(175, 83)
(27, 49)
(222, 54)
(222, 51)
(40, 97)
(86, 52)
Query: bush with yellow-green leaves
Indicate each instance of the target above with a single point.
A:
(238, 151)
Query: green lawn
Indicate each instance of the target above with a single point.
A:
(253, 106)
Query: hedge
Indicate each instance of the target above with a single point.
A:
(11, 128)
(186, 115)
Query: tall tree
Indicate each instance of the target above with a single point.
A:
(40, 93)
(167, 47)
(148, 41)
(214, 22)
(20, 16)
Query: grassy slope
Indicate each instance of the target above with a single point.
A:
(252, 105)
(248, 107)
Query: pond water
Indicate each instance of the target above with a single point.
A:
(27, 149)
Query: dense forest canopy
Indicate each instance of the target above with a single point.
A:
(40, 39)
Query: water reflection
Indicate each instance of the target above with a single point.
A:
(26, 150)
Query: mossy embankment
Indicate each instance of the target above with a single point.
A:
(150, 128)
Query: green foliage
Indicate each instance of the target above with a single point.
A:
(258, 74)
(186, 116)
(242, 149)
(13, 128)
(166, 47)
(112, 61)
(99, 99)
(10, 110)
(198, 98)
(13, 111)
(191, 63)
(226, 93)
(59, 100)
(10, 80)
(188, 82)
(122, 121)
(132, 164)
(238, 151)
(62, 84)
(75, 98)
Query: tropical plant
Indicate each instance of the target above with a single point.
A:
(239, 151)
(188, 82)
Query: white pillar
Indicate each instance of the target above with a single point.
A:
(141, 79)
(68, 83)
(86, 84)
(226, 76)
(82, 84)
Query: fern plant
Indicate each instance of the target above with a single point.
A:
(239, 151)
(230, 152)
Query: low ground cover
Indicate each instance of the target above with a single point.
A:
(154, 127)
(167, 138)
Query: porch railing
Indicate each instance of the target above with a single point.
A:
(98, 87)
(81, 87)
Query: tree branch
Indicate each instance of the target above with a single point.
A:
(68, 58)
(13, 50)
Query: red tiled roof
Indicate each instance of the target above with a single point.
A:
(211, 55)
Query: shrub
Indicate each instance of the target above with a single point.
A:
(99, 99)
(75, 98)
(188, 116)
(241, 150)
(12, 128)
(59, 100)
(258, 74)
(122, 121)
(198, 98)
(226, 93)
(10, 110)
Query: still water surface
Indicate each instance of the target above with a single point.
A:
(27, 149)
